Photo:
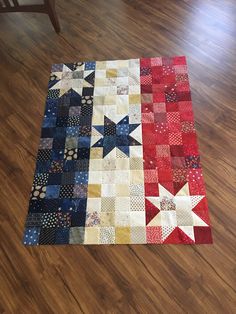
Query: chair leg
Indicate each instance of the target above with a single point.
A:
(50, 5)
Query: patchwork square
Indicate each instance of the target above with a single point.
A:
(118, 160)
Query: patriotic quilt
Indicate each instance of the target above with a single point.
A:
(118, 160)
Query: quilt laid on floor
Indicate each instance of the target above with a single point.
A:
(118, 161)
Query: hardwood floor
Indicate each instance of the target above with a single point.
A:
(134, 278)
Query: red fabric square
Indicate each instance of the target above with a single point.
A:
(145, 62)
(186, 116)
(151, 189)
(172, 106)
(162, 138)
(163, 162)
(145, 89)
(154, 235)
(202, 235)
(159, 97)
(147, 108)
(165, 175)
(179, 60)
(189, 138)
(176, 150)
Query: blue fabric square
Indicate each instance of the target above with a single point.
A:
(67, 205)
(62, 236)
(78, 219)
(42, 166)
(52, 191)
(122, 129)
(49, 122)
(90, 65)
(57, 154)
(51, 109)
(60, 132)
(47, 132)
(69, 165)
(72, 131)
(122, 140)
(54, 178)
(31, 236)
(84, 141)
(81, 177)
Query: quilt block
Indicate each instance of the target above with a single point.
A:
(118, 161)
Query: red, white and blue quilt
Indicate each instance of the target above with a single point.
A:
(118, 161)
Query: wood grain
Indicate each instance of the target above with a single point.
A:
(134, 278)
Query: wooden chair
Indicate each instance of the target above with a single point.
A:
(48, 7)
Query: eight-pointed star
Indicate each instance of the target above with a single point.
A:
(116, 135)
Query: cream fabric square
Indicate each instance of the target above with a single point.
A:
(122, 190)
(95, 177)
(136, 176)
(123, 63)
(99, 82)
(108, 190)
(98, 116)
(184, 217)
(98, 100)
(138, 218)
(94, 204)
(96, 165)
(134, 63)
(122, 219)
(136, 163)
(122, 204)
(100, 74)
(100, 91)
(138, 235)
(107, 219)
(123, 109)
(134, 99)
(122, 164)
(110, 100)
(112, 64)
(92, 235)
(96, 153)
(134, 89)
(137, 189)
(168, 218)
(137, 203)
(122, 81)
(122, 72)
(109, 164)
(122, 176)
(107, 204)
(136, 151)
(122, 99)
(108, 177)
(100, 65)
(107, 235)
(134, 113)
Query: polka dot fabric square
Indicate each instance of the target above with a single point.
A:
(118, 159)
